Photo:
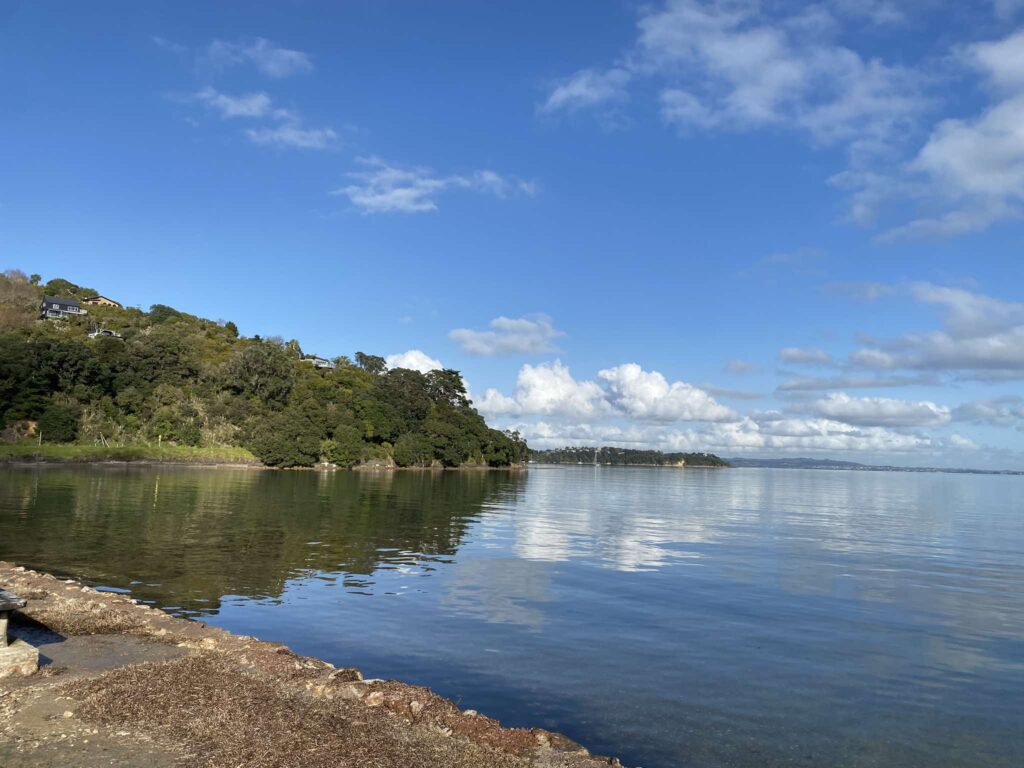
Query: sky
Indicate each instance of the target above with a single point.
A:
(758, 229)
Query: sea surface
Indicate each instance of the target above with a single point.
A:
(740, 617)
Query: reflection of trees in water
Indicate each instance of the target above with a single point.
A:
(196, 535)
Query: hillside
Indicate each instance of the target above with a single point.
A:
(168, 377)
(625, 457)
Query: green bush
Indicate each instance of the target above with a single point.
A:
(59, 424)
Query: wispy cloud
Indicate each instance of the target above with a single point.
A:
(294, 135)
(286, 127)
(805, 356)
(530, 335)
(266, 56)
(257, 104)
(384, 188)
(586, 89)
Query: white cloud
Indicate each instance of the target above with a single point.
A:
(641, 394)
(979, 334)
(530, 335)
(879, 411)
(1007, 411)
(970, 171)
(626, 391)
(587, 88)
(286, 128)
(769, 435)
(738, 66)
(808, 356)
(811, 383)
(547, 389)
(414, 360)
(267, 57)
(385, 188)
(293, 135)
(257, 104)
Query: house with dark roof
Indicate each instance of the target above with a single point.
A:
(54, 308)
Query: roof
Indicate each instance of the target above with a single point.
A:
(56, 300)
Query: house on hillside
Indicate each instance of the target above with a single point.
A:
(102, 301)
(317, 361)
(101, 332)
(54, 308)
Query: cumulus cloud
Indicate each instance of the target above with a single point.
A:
(414, 360)
(530, 335)
(265, 56)
(879, 411)
(623, 391)
(547, 389)
(805, 356)
(641, 394)
(384, 188)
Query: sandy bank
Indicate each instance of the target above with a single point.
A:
(128, 685)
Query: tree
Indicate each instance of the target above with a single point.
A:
(34, 279)
(263, 370)
(346, 447)
(286, 441)
(232, 329)
(446, 386)
(371, 363)
(59, 423)
(19, 301)
(413, 449)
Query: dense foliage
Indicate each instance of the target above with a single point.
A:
(181, 379)
(625, 456)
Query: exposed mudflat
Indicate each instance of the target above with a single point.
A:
(127, 685)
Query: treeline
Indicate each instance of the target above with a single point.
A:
(625, 457)
(181, 379)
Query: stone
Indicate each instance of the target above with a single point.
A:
(18, 658)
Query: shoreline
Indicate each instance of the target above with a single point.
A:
(128, 679)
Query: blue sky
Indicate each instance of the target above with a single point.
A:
(753, 228)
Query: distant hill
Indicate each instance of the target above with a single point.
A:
(624, 457)
(808, 463)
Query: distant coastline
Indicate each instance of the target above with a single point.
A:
(834, 464)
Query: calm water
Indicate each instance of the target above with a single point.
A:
(674, 618)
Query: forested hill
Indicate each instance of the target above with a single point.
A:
(625, 457)
(171, 377)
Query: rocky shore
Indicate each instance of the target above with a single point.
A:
(124, 684)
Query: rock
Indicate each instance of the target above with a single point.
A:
(471, 713)
(375, 699)
(346, 675)
(416, 707)
(18, 658)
